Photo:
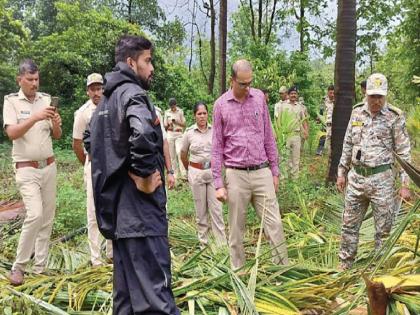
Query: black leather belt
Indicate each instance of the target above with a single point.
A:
(249, 168)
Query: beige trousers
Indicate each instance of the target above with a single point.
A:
(175, 145)
(38, 190)
(94, 236)
(293, 144)
(256, 187)
(204, 195)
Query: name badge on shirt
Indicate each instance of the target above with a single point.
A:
(24, 114)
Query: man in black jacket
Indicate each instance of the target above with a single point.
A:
(126, 147)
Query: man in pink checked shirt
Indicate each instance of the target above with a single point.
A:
(243, 142)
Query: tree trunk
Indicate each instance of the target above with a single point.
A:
(212, 74)
(302, 26)
(222, 44)
(270, 26)
(344, 77)
(260, 14)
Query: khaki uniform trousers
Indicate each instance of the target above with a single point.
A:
(204, 195)
(293, 144)
(175, 145)
(38, 189)
(95, 238)
(255, 187)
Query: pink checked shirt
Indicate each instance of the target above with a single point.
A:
(242, 134)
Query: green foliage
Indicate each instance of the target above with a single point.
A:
(13, 37)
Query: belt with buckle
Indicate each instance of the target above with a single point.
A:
(368, 171)
(175, 130)
(249, 168)
(200, 166)
(36, 164)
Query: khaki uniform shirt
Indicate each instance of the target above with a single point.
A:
(277, 108)
(82, 118)
(297, 109)
(36, 143)
(375, 138)
(178, 115)
(198, 144)
(329, 107)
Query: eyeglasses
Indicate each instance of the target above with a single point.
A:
(244, 85)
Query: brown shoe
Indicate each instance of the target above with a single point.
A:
(16, 277)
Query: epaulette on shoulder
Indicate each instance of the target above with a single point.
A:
(358, 105)
(395, 110)
(11, 95)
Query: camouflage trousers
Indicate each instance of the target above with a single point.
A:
(379, 191)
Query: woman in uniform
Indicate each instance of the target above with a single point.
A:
(196, 155)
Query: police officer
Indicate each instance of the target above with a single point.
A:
(174, 123)
(301, 128)
(31, 122)
(325, 113)
(196, 143)
(126, 146)
(81, 121)
(375, 130)
(283, 98)
(168, 164)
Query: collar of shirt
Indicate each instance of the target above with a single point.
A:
(22, 96)
(195, 127)
(383, 110)
(231, 97)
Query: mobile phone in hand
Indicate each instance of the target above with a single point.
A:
(54, 102)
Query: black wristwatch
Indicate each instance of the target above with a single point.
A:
(171, 172)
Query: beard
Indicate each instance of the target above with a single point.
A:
(146, 83)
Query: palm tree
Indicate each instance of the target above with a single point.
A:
(344, 80)
(222, 44)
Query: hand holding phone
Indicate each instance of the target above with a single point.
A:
(54, 102)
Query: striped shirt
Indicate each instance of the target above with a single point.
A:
(242, 134)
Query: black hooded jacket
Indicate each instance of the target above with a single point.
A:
(125, 136)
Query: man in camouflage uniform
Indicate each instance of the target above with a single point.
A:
(325, 114)
(375, 130)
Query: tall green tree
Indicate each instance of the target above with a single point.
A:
(13, 38)
(222, 44)
(344, 78)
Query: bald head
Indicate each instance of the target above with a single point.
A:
(241, 65)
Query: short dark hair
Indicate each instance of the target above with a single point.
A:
(363, 84)
(293, 88)
(331, 88)
(27, 66)
(197, 105)
(131, 46)
(172, 101)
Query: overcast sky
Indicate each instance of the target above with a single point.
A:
(183, 8)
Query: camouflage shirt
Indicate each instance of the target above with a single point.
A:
(375, 138)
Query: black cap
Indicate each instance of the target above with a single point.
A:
(293, 89)
(172, 101)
